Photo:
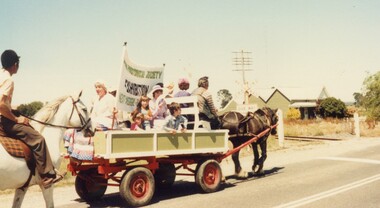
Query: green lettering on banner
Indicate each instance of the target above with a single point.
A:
(126, 100)
(134, 72)
(153, 74)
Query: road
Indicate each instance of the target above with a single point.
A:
(333, 174)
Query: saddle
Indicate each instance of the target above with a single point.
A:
(17, 148)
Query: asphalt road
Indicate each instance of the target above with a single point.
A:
(335, 174)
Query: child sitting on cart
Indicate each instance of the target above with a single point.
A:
(143, 108)
(175, 121)
(138, 119)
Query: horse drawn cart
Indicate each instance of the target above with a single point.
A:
(139, 162)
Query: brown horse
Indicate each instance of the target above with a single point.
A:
(241, 129)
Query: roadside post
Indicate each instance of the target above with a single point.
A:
(280, 128)
(356, 125)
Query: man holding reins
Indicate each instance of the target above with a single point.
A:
(18, 126)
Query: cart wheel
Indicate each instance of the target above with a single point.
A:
(208, 176)
(137, 186)
(165, 175)
(90, 185)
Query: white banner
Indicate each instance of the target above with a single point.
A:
(135, 81)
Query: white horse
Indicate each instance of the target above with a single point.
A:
(66, 111)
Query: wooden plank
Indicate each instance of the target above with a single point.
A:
(100, 142)
(210, 140)
(179, 141)
(124, 143)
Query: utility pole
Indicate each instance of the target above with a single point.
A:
(243, 61)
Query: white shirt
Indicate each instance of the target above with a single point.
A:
(6, 85)
(102, 111)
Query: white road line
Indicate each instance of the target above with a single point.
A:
(351, 160)
(329, 193)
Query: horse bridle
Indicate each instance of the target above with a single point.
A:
(83, 121)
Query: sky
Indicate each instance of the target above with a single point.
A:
(66, 46)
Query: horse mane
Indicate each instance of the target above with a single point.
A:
(47, 112)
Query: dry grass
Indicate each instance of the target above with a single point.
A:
(329, 128)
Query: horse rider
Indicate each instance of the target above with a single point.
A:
(207, 110)
(18, 127)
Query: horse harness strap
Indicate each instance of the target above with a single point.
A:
(83, 121)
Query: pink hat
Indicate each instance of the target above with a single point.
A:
(183, 81)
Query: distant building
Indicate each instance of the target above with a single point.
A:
(304, 99)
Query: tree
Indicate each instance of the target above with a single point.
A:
(371, 96)
(358, 99)
(333, 108)
(224, 96)
(30, 109)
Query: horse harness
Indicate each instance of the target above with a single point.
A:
(242, 127)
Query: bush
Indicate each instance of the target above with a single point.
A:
(332, 108)
(293, 113)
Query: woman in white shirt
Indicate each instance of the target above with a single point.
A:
(103, 113)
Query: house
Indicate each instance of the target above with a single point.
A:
(304, 99)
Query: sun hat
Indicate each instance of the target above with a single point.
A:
(156, 88)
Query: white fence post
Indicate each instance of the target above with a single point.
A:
(280, 128)
(356, 125)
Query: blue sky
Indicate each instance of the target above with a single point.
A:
(65, 46)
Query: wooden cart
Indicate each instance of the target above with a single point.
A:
(140, 162)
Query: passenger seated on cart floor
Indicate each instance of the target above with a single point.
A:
(143, 108)
(175, 121)
(138, 119)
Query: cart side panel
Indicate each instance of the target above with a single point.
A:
(180, 141)
(125, 143)
(208, 140)
(100, 142)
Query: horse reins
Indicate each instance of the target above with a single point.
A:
(83, 121)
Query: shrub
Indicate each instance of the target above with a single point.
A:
(293, 114)
(332, 108)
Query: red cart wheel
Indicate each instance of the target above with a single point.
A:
(137, 186)
(90, 185)
(208, 176)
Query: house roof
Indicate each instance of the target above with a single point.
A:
(303, 104)
(294, 93)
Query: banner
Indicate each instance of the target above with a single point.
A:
(135, 81)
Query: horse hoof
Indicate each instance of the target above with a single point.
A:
(255, 168)
(258, 169)
(241, 174)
